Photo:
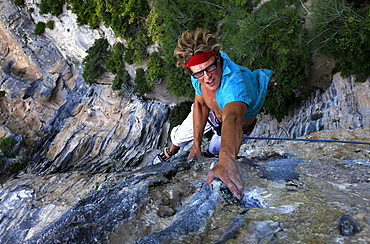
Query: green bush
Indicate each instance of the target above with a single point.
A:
(129, 56)
(6, 146)
(95, 60)
(342, 33)
(40, 28)
(179, 84)
(17, 166)
(138, 44)
(50, 24)
(121, 81)
(54, 7)
(115, 62)
(155, 68)
(19, 2)
(179, 113)
(126, 18)
(141, 85)
(86, 12)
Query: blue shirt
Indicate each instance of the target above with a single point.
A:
(240, 84)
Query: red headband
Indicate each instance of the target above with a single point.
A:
(200, 58)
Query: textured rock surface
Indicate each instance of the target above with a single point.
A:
(90, 180)
(297, 196)
(344, 105)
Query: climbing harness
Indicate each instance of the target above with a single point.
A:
(310, 140)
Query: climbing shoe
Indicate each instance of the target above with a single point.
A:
(165, 155)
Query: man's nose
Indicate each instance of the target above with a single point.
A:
(207, 74)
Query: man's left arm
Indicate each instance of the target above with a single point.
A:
(231, 138)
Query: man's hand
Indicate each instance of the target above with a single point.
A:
(194, 152)
(231, 138)
(230, 175)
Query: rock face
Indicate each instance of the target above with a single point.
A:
(293, 197)
(344, 105)
(90, 179)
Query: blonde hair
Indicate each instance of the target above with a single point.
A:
(192, 43)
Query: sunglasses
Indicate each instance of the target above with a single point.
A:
(209, 69)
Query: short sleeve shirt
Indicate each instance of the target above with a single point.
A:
(240, 84)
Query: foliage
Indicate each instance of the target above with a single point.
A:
(138, 45)
(141, 85)
(50, 24)
(17, 166)
(179, 113)
(272, 38)
(126, 18)
(19, 2)
(54, 7)
(40, 28)
(155, 68)
(86, 12)
(6, 146)
(343, 34)
(95, 60)
(115, 62)
(153, 26)
(180, 84)
(121, 81)
(129, 56)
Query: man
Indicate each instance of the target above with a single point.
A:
(225, 94)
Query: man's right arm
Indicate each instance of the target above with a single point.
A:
(200, 116)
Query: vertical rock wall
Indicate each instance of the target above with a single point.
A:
(344, 105)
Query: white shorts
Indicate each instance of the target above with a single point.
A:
(182, 134)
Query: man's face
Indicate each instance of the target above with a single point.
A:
(210, 72)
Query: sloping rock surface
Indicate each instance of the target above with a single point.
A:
(90, 177)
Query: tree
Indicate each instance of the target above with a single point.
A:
(40, 28)
(155, 68)
(115, 62)
(95, 60)
(141, 85)
(121, 81)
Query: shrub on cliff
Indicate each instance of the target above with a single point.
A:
(121, 81)
(95, 60)
(155, 68)
(179, 112)
(343, 33)
(141, 86)
(19, 2)
(6, 146)
(40, 28)
(50, 24)
(115, 62)
(54, 7)
(126, 18)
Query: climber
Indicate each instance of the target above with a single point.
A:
(225, 94)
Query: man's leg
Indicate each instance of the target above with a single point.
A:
(181, 135)
(214, 145)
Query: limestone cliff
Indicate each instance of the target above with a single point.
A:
(89, 178)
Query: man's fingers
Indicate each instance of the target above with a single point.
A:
(236, 191)
(210, 178)
(234, 183)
